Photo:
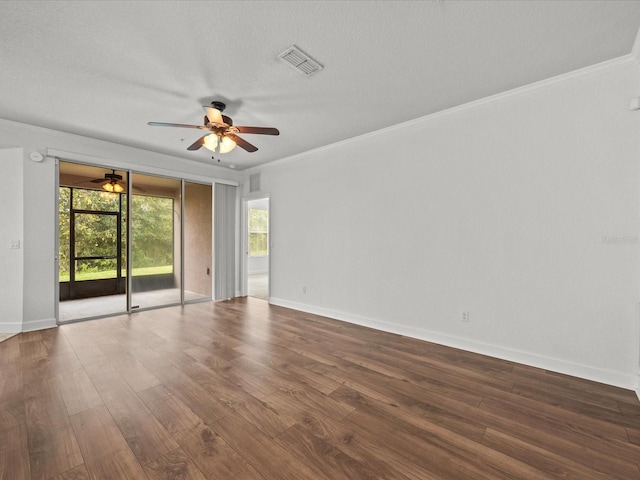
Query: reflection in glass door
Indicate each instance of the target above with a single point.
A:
(155, 241)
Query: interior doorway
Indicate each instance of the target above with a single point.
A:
(257, 251)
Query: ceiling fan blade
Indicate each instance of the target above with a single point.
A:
(136, 188)
(197, 144)
(83, 182)
(259, 130)
(242, 143)
(214, 115)
(181, 125)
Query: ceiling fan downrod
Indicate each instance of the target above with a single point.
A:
(218, 106)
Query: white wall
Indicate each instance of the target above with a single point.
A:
(11, 241)
(521, 209)
(39, 212)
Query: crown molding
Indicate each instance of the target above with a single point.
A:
(566, 78)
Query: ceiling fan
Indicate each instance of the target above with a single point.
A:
(223, 134)
(112, 182)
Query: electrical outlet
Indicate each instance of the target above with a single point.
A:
(304, 289)
(464, 316)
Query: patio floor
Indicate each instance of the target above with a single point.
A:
(114, 304)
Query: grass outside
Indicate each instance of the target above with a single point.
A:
(100, 275)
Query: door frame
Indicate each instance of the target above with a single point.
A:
(73, 257)
(244, 243)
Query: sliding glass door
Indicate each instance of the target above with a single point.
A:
(131, 241)
(156, 267)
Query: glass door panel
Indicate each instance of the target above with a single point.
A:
(198, 230)
(155, 241)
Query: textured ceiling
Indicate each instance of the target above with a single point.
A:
(104, 69)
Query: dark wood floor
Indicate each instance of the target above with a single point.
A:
(244, 390)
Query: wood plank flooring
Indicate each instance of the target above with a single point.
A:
(244, 390)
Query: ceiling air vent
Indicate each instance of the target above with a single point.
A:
(300, 61)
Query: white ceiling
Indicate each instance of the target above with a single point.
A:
(104, 69)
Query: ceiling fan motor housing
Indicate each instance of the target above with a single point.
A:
(218, 106)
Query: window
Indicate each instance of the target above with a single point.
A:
(258, 232)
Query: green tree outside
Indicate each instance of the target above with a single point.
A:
(96, 233)
(258, 232)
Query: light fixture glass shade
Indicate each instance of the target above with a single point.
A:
(226, 145)
(211, 142)
(113, 187)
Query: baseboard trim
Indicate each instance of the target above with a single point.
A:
(13, 327)
(42, 324)
(629, 382)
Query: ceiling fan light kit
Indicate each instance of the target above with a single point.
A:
(210, 142)
(110, 182)
(223, 136)
(217, 144)
(225, 145)
(113, 187)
